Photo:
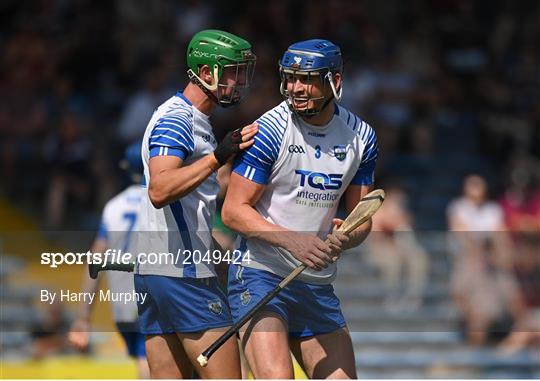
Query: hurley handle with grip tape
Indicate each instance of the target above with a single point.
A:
(363, 211)
(95, 268)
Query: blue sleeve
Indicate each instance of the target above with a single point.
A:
(172, 136)
(102, 231)
(365, 175)
(256, 162)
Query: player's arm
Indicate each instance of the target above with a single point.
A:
(79, 334)
(353, 195)
(247, 182)
(223, 175)
(170, 180)
(361, 184)
(239, 214)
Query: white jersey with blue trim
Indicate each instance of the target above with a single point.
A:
(181, 232)
(306, 170)
(118, 222)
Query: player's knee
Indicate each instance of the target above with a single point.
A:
(159, 368)
(164, 372)
(273, 371)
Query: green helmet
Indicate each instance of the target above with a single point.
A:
(223, 53)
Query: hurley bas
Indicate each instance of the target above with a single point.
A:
(88, 297)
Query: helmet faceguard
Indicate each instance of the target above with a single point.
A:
(231, 63)
(234, 82)
(312, 62)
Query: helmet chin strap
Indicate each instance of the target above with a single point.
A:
(337, 95)
(209, 89)
(205, 87)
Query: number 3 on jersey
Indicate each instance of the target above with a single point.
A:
(317, 151)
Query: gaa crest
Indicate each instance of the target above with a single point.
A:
(215, 306)
(245, 297)
(340, 152)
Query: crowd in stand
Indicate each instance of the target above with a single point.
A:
(81, 78)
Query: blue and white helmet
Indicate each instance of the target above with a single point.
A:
(132, 161)
(310, 58)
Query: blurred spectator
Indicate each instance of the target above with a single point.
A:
(49, 336)
(482, 285)
(473, 212)
(521, 204)
(141, 105)
(526, 331)
(191, 17)
(393, 250)
(475, 219)
(68, 152)
(488, 298)
(22, 111)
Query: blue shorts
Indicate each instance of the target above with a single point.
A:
(308, 309)
(183, 305)
(133, 338)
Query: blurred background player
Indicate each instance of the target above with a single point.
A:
(185, 310)
(120, 218)
(283, 196)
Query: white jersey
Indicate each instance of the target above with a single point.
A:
(181, 232)
(119, 220)
(306, 170)
(487, 217)
(480, 220)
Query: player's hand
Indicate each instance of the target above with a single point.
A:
(310, 250)
(234, 142)
(79, 335)
(337, 240)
